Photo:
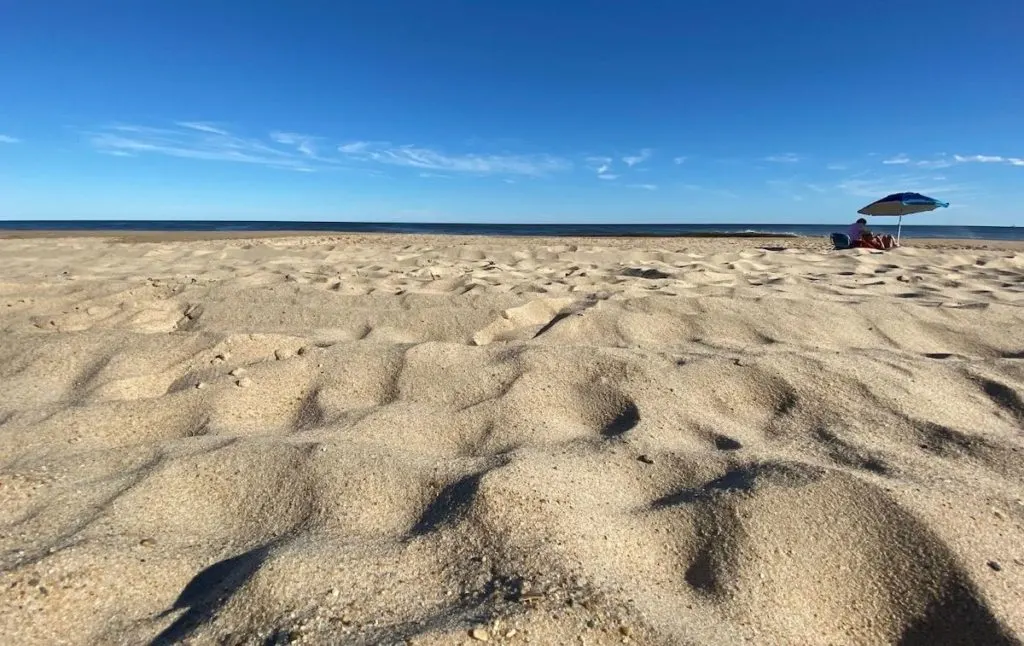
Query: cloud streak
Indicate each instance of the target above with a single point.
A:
(784, 158)
(305, 144)
(939, 162)
(201, 141)
(988, 159)
(646, 187)
(602, 166)
(203, 126)
(639, 158)
(7, 139)
(873, 187)
(945, 161)
(471, 164)
(295, 151)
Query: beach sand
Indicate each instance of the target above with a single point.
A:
(425, 440)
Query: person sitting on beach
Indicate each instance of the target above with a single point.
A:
(861, 236)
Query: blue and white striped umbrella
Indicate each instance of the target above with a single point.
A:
(900, 204)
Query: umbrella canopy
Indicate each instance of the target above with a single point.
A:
(902, 204)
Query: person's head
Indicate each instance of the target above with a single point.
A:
(861, 221)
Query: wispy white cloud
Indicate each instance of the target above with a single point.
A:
(942, 160)
(203, 126)
(599, 165)
(989, 159)
(784, 158)
(679, 160)
(302, 152)
(473, 164)
(358, 146)
(608, 176)
(867, 185)
(639, 158)
(982, 159)
(435, 176)
(305, 144)
(646, 187)
(199, 140)
(7, 139)
(836, 167)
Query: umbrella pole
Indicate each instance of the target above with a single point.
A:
(899, 228)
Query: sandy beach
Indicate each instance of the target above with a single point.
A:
(375, 439)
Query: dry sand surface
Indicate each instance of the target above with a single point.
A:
(427, 440)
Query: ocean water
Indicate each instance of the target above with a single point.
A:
(542, 230)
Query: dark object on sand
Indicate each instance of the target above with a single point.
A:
(841, 241)
(644, 273)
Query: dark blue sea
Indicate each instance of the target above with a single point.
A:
(541, 230)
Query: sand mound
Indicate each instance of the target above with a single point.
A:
(434, 441)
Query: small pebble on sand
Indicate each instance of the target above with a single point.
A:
(244, 382)
(995, 565)
(237, 372)
(480, 634)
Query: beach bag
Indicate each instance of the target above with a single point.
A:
(841, 241)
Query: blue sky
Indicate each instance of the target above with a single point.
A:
(528, 111)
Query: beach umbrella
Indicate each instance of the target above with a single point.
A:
(900, 204)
